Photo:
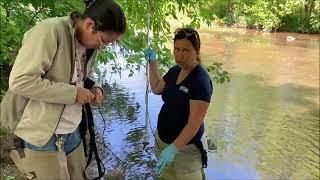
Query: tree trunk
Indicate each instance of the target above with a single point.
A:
(309, 6)
(7, 8)
(229, 7)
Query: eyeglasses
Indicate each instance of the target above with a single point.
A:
(102, 45)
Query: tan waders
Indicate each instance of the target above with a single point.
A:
(187, 164)
(46, 165)
(77, 163)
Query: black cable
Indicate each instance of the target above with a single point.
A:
(119, 159)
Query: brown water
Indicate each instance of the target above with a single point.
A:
(264, 122)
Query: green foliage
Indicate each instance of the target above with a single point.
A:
(271, 15)
(301, 16)
(10, 178)
(106, 55)
(263, 15)
(17, 16)
(218, 74)
(2, 93)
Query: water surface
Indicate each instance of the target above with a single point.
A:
(264, 122)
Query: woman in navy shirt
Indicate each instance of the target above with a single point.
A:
(186, 92)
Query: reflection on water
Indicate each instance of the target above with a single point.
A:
(264, 124)
(262, 132)
(121, 131)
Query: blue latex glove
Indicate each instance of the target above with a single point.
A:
(166, 157)
(150, 55)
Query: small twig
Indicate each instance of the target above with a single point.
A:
(34, 16)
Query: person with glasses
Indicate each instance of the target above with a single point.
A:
(43, 106)
(186, 90)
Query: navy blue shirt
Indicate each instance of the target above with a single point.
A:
(175, 111)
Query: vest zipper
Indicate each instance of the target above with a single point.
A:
(70, 79)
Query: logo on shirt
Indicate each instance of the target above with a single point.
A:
(184, 89)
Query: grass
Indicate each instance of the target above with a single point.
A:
(8, 170)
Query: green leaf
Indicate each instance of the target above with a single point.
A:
(221, 80)
(10, 178)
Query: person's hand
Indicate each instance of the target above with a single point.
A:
(166, 157)
(84, 95)
(149, 55)
(98, 98)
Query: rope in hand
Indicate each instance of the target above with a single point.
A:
(147, 118)
(146, 134)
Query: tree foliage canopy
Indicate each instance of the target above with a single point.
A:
(17, 16)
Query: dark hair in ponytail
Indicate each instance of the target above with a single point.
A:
(107, 15)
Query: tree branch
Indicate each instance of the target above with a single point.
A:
(35, 15)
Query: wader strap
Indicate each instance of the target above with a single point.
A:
(203, 152)
(87, 117)
(19, 144)
(83, 127)
(92, 142)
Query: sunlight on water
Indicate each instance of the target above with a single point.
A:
(266, 120)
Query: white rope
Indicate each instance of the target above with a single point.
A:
(146, 134)
(148, 25)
